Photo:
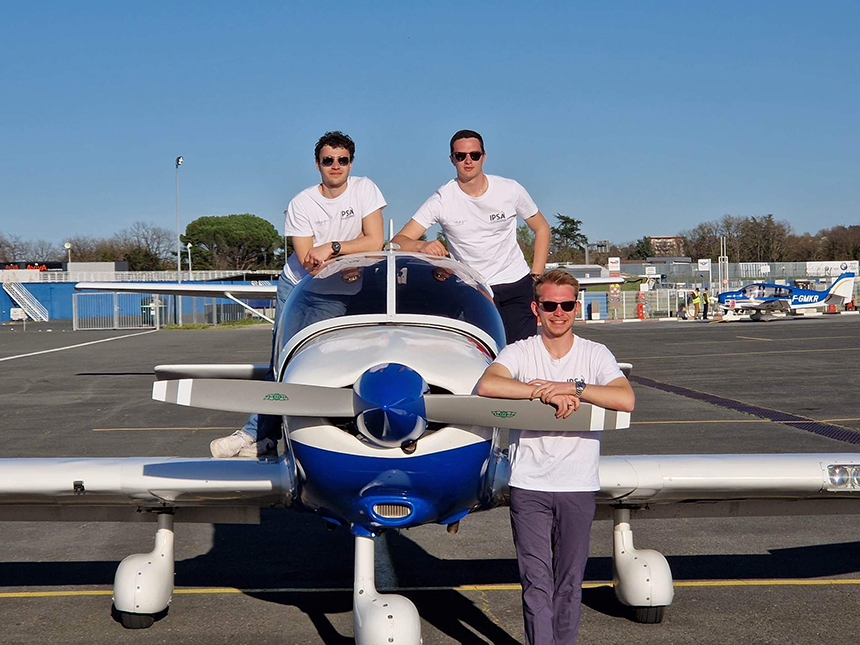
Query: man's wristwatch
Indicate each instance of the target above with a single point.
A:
(580, 386)
(335, 248)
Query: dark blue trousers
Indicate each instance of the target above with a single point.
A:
(514, 302)
(551, 532)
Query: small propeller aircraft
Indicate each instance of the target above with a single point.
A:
(763, 298)
(377, 357)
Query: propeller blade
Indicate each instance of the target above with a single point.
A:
(520, 414)
(261, 397)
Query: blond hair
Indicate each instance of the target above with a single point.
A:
(558, 277)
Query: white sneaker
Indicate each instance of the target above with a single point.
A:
(232, 446)
(262, 448)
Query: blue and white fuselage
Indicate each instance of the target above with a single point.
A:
(392, 326)
(767, 297)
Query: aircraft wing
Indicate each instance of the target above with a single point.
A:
(777, 304)
(120, 488)
(247, 291)
(714, 485)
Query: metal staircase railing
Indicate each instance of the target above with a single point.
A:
(26, 300)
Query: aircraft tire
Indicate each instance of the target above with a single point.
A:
(134, 621)
(648, 615)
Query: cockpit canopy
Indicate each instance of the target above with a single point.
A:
(420, 286)
(766, 291)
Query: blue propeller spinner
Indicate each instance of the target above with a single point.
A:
(389, 404)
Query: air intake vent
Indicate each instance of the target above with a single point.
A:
(392, 511)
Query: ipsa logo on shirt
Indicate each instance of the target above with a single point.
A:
(347, 213)
(497, 217)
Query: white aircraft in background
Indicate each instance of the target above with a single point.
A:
(765, 297)
(377, 358)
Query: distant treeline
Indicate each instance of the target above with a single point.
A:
(241, 242)
(748, 239)
(245, 241)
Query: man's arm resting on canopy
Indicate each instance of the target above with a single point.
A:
(371, 239)
(540, 227)
(407, 240)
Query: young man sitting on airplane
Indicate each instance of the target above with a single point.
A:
(338, 216)
(554, 476)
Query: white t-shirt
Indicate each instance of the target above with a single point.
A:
(482, 231)
(329, 220)
(552, 461)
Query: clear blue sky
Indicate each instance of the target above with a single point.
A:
(640, 118)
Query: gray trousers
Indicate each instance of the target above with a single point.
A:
(551, 532)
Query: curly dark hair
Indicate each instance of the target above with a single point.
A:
(335, 139)
(467, 134)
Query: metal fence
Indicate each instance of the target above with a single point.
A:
(138, 311)
(112, 311)
(146, 276)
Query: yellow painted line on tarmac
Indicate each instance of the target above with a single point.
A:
(784, 340)
(657, 423)
(219, 428)
(633, 359)
(768, 582)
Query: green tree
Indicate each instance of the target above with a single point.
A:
(526, 240)
(440, 237)
(140, 258)
(238, 241)
(567, 241)
(643, 250)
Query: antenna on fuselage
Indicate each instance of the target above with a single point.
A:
(391, 246)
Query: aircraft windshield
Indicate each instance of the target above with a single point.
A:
(434, 286)
(766, 291)
(424, 285)
(351, 286)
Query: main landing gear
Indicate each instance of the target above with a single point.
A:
(641, 577)
(380, 618)
(143, 585)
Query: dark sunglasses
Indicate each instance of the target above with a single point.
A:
(329, 161)
(549, 306)
(461, 156)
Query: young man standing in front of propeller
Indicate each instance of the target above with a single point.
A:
(554, 476)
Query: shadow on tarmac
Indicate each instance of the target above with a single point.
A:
(294, 551)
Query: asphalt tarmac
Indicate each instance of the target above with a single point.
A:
(288, 580)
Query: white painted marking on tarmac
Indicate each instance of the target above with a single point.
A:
(60, 349)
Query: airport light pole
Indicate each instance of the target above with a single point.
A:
(178, 300)
(179, 161)
(188, 246)
(68, 248)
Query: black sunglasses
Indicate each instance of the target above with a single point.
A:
(461, 156)
(549, 306)
(329, 161)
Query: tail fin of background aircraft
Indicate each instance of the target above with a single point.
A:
(842, 290)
